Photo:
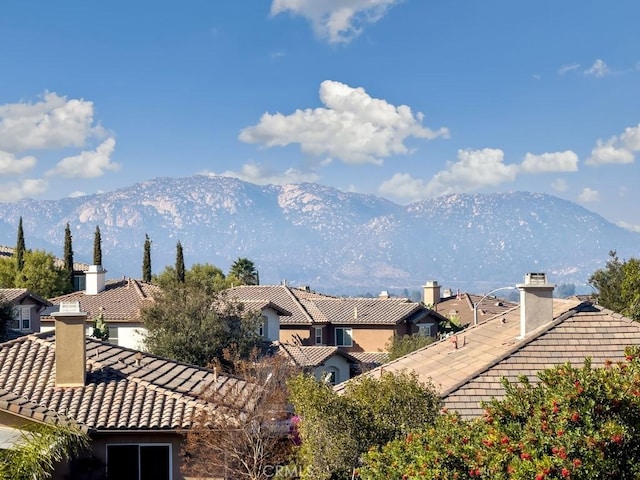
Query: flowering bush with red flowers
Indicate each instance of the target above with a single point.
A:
(576, 423)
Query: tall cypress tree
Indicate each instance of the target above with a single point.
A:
(20, 248)
(179, 263)
(68, 258)
(146, 260)
(97, 247)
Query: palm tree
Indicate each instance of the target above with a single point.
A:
(245, 271)
(35, 456)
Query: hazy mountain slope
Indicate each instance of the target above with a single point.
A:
(332, 240)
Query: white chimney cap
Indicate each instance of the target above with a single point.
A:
(69, 307)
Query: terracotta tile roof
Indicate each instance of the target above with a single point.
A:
(121, 301)
(479, 347)
(121, 393)
(13, 295)
(370, 359)
(308, 356)
(58, 262)
(310, 308)
(461, 306)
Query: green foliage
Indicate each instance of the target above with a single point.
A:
(68, 260)
(578, 423)
(41, 448)
(243, 272)
(40, 275)
(20, 247)
(180, 273)
(618, 285)
(8, 272)
(97, 247)
(100, 328)
(190, 324)
(399, 346)
(146, 259)
(336, 430)
(6, 317)
(209, 277)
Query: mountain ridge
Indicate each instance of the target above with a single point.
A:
(311, 234)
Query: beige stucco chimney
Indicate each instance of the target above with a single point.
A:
(70, 327)
(94, 279)
(536, 302)
(431, 293)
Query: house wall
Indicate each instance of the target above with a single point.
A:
(272, 324)
(337, 364)
(34, 313)
(129, 335)
(101, 440)
(365, 338)
(289, 334)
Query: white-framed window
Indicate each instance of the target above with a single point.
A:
(344, 337)
(329, 375)
(146, 461)
(21, 318)
(318, 335)
(427, 329)
(113, 334)
(262, 328)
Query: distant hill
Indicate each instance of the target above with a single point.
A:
(334, 241)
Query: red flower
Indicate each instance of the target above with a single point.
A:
(617, 438)
(577, 462)
(575, 416)
(525, 456)
(565, 473)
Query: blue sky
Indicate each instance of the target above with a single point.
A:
(403, 99)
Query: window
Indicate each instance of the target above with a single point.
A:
(21, 319)
(262, 328)
(113, 334)
(139, 462)
(426, 329)
(329, 376)
(343, 337)
(318, 332)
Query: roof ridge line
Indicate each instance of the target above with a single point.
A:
(297, 301)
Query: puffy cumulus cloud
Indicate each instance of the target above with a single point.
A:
(53, 122)
(337, 21)
(261, 175)
(9, 164)
(403, 187)
(560, 185)
(550, 162)
(618, 149)
(25, 189)
(354, 127)
(588, 195)
(474, 169)
(598, 69)
(88, 164)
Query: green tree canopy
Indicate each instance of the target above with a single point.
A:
(180, 272)
(244, 272)
(39, 274)
(20, 247)
(399, 346)
(336, 430)
(6, 317)
(577, 423)
(618, 285)
(207, 276)
(68, 260)
(190, 324)
(146, 259)
(97, 247)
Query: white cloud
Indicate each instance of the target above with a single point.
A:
(628, 226)
(617, 149)
(588, 195)
(560, 185)
(337, 21)
(404, 187)
(29, 187)
(550, 162)
(77, 194)
(598, 69)
(53, 122)
(9, 164)
(261, 175)
(88, 164)
(353, 127)
(568, 68)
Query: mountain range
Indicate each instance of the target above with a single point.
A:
(333, 241)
